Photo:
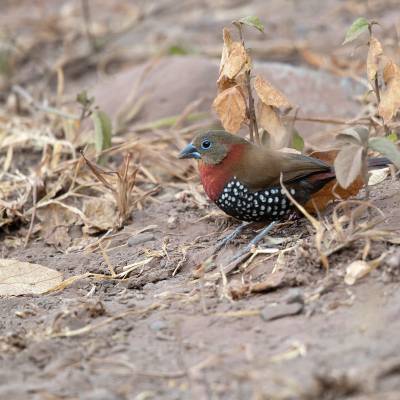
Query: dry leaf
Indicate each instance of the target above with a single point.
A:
(314, 59)
(269, 95)
(18, 278)
(234, 59)
(348, 164)
(230, 106)
(269, 120)
(101, 215)
(390, 98)
(356, 270)
(272, 281)
(377, 176)
(225, 49)
(374, 53)
(55, 224)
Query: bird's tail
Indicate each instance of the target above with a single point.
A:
(378, 162)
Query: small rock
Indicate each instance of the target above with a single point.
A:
(171, 222)
(100, 394)
(158, 325)
(294, 295)
(393, 260)
(270, 313)
(141, 238)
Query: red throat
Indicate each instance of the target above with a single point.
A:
(214, 177)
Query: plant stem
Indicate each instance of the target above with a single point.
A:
(253, 126)
(87, 21)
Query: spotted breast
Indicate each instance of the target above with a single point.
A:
(264, 205)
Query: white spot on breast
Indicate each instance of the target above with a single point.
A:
(276, 199)
(270, 200)
(292, 191)
(262, 198)
(269, 209)
(275, 213)
(262, 207)
(282, 212)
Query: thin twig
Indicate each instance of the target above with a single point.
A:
(31, 101)
(253, 126)
(87, 22)
(33, 216)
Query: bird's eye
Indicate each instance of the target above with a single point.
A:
(206, 144)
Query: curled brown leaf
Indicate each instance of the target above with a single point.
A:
(390, 98)
(269, 119)
(230, 106)
(269, 95)
(375, 52)
(234, 59)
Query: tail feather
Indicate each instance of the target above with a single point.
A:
(378, 162)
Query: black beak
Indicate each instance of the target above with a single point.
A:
(189, 152)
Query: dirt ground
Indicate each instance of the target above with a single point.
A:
(173, 329)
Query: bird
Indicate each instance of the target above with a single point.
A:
(244, 179)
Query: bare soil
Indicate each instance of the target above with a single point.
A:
(166, 332)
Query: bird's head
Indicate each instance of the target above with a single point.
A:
(212, 147)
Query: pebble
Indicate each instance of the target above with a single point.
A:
(100, 394)
(270, 313)
(294, 295)
(393, 260)
(158, 325)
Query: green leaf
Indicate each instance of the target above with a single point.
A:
(356, 29)
(83, 99)
(357, 135)
(348, 164)
(297, 141)
(392, 137)
(102, 130)
(176, 50)
(252, 21)
(386, 148)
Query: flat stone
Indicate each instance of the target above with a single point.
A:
(141, 238)
(100, 394)
(158, 325)
(294, 295)
(172, 83)
(270, 313)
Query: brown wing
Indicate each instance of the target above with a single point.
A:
(261, 167)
